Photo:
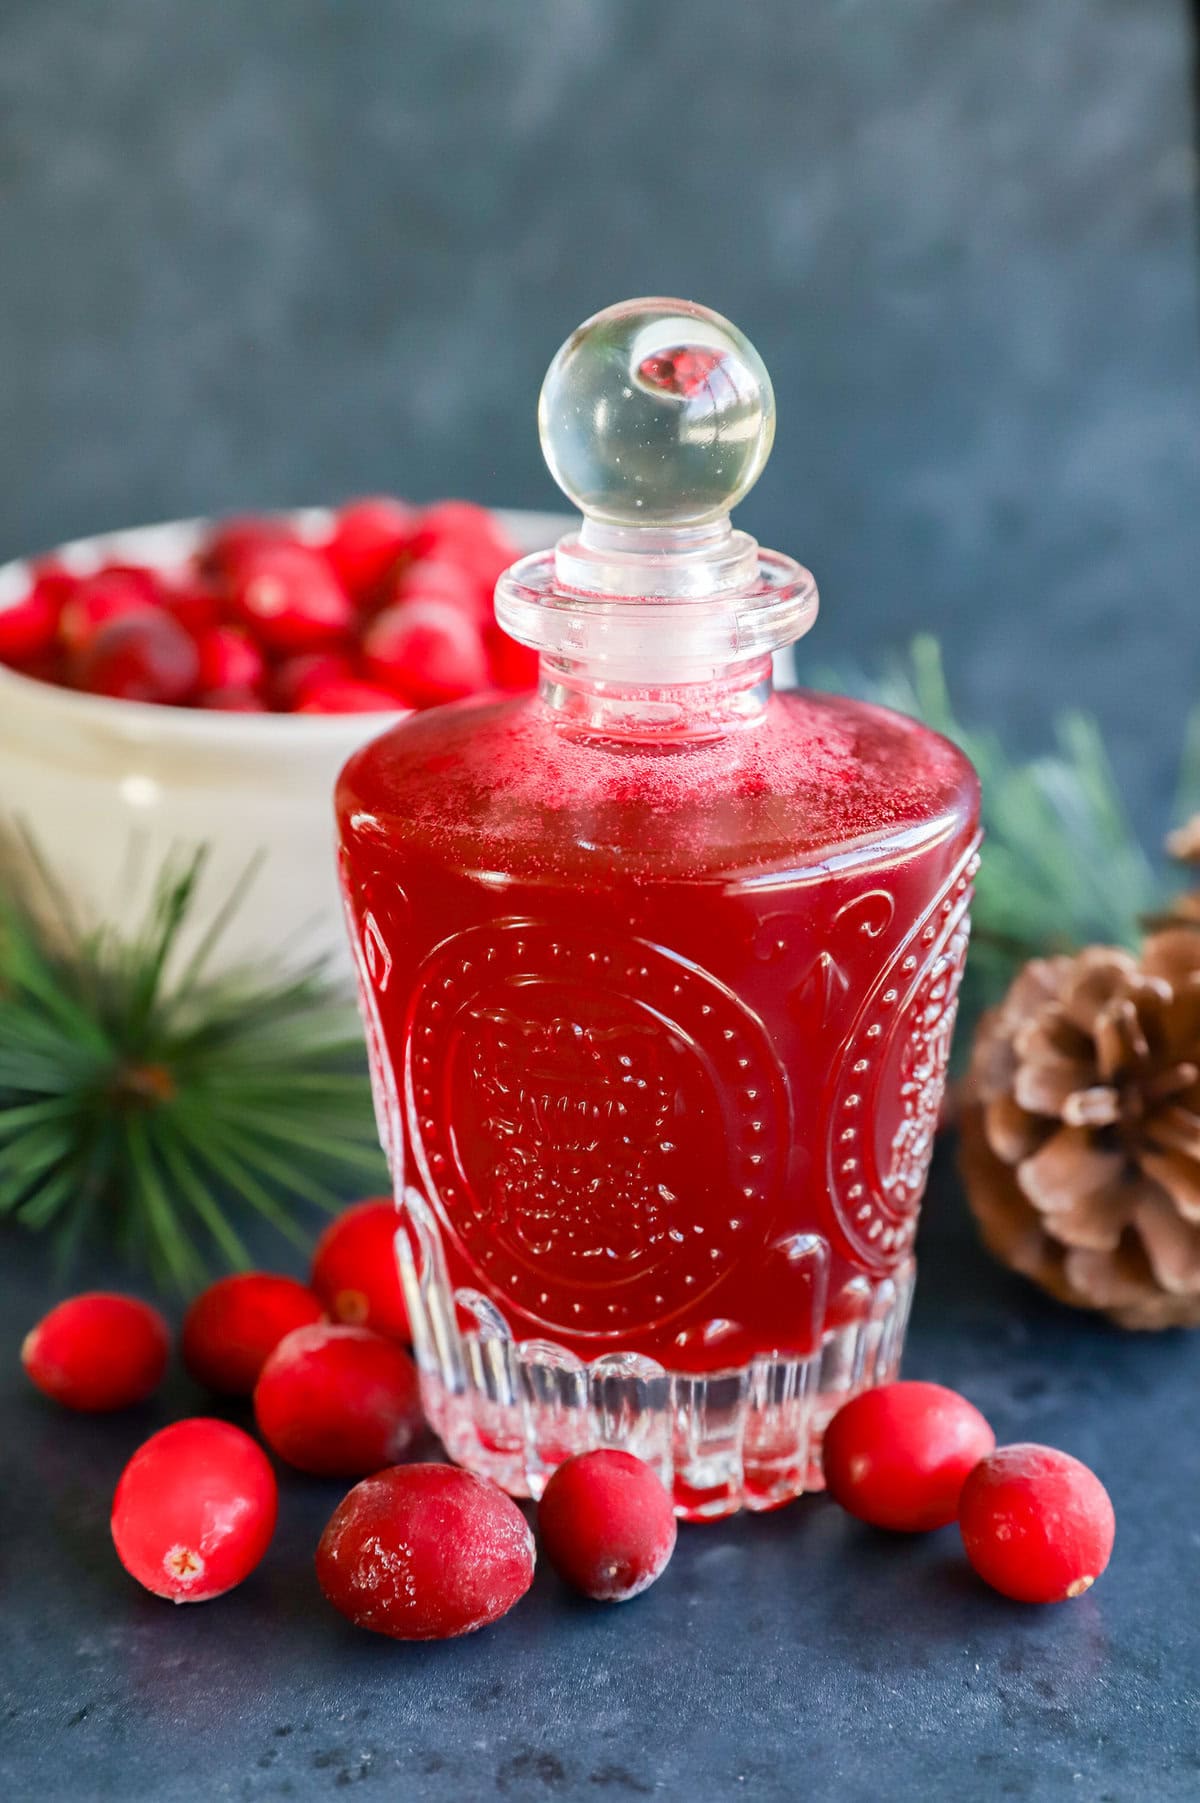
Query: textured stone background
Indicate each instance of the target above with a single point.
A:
(289, 250)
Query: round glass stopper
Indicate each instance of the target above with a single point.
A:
(656, 413)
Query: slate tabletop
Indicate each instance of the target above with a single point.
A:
(796, 1655)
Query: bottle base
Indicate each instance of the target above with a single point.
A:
(722, 1441)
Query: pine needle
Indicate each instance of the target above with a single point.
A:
(145, 1103)
(1062, 866)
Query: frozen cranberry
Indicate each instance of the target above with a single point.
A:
(98, 1351)
(897, 1456)
(229, 659)
(467, 535)
(338, 1401)
(1038, 1526)
(607, 1525)
(234, 1325)
(289, 598)
(425, 1552)
(514, 667)
(298, 677)
(146, 656)
(233, 539)
(112, 594)
(194, 1510)
(426, 651)
(354, 1269)
(369, 537)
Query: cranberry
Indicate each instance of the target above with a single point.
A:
(144, 657)
(194, 1510)
(467, 535)
(438, 580)
(607, 1525)
(289, 598)
(897, 1456)
(338, 1401)
(427, 651)
(112, 594)
(193, 601)
(354, 1269)
(234, 1325)
(229, 660)
(299, 677)
(369, 538)
(233, 701)
(425, 1552)
(29, 627)
(98, 1352)
(685, 372)
(349, 697)
(233, 539)
(514, 667)
(1038, 1526)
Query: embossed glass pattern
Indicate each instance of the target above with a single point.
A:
(659, 981)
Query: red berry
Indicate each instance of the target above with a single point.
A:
(299, 677)
(111, 594)
(29, 627)
(467, 535)
(350, 697)
(193, 601)
(145, 657)
(439, 580)
(338, 1401)
(98, 1351)
(607, 1525)
(232, 540)
(426, 650)
(897, 1456)
(369, 538)
(425, 1552)
(1038, 1526)
(194, 1510)
(229, 660)
(514, 667)
(354, 1269)
(235, 1324)
(289, 597)
(233, 701)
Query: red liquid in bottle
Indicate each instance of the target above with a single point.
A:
(670, 1021)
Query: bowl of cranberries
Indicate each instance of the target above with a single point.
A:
(202, 682)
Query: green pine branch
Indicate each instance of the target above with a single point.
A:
(158, 1112)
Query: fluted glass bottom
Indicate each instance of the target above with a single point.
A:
(721, 1441)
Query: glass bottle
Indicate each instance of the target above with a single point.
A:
(659, 970)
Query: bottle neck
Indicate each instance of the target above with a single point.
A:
(655, 713)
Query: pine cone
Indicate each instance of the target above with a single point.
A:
(1081, 1130)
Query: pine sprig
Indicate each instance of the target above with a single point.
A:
(1062, 865)
(148, 1105)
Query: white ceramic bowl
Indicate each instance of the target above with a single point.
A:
(110, 788)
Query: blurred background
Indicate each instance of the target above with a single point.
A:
(263, 255)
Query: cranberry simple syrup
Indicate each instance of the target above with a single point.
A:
(659, 971)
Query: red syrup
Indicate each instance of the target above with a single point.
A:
(658, 970)
(669, 1021)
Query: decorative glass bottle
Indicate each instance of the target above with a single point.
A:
(659, 970)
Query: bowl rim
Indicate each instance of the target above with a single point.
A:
(530, 530)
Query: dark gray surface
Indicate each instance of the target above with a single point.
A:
(283, 251)
(795, 1655)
